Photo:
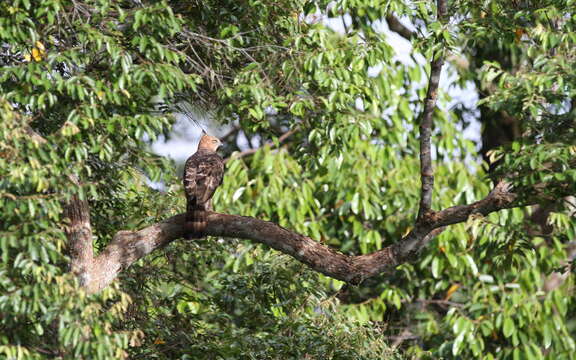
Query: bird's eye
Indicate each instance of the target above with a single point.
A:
(214, 141)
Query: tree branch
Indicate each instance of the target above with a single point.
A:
(37, 138)
(426, 122)
(281, 139)
(129, 246)
(395, 25)
(79, 233)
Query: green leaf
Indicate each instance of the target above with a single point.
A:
(457, 345)
(508, 327)
(436, 267)
(472, 264)
(354, 204)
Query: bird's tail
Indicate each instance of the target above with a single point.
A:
(195, 222)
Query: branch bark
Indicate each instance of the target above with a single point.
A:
(79, 233)
(426, 122)
(395, 25)
(129, 246)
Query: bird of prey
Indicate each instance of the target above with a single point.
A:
(203, 173)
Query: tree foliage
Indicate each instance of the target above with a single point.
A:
(87, 86)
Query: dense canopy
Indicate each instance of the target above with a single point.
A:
(400, 179)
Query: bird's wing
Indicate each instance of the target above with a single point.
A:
(189, 178)
(209, 176)
(203, 173)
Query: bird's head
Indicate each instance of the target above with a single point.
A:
(208, 142)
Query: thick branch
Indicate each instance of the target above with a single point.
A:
(129, 246)
(79, 233)
(426, 122)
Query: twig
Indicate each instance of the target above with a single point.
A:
(281, 139)
(235, 129)
(436, 302)
(405, 335)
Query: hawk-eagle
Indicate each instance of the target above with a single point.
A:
(203, 173)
